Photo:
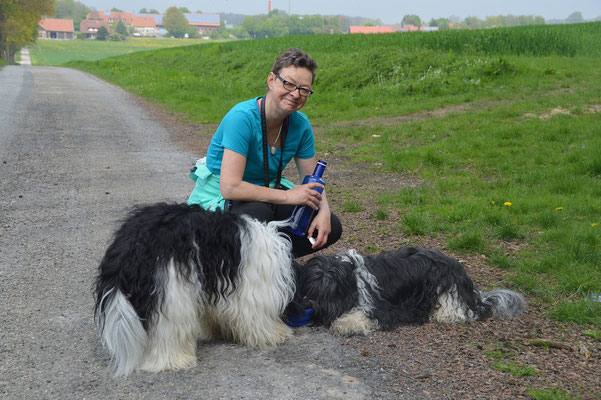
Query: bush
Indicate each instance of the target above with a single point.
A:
(102, 34)
(116, 37)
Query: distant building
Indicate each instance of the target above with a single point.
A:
(204, 23)
(89, 27)
(111, 17)
(391, 29)
(51, 28)
(410, 28)
(158, 23)
(371, 29)
(144, 26)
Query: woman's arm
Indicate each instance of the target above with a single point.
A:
(234, 188)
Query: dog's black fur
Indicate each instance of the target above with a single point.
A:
(153, 235)
(395, 287)
(175, 274)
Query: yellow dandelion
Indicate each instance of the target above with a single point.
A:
(507, 203)
(492, 202)
(559, 208)
(594, 224)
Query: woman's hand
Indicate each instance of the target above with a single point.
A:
(305, 195)
(322, 223)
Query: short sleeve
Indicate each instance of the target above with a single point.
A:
(237, 132)
(306, 146)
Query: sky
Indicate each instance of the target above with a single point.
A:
(388, 11)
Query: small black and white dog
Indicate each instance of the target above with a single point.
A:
(176, 273)
(353, 294)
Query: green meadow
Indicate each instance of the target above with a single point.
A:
(513, 174)
(57, 52)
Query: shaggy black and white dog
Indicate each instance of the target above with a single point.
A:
(354, 294)
(176, 273)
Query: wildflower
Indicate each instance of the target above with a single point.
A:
(594, 224)
(507, 203)
(492, 202)
(559, 208)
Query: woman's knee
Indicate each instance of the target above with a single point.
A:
(256, 209)
(336, 229)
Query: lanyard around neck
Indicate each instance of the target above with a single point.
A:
(265, 145)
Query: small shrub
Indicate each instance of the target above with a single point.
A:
(116, 37)
(352, 207)
(582, 312)
(550, 394)
(508, 232)
(416, 224)
(470, 241)
(595, 334)
(381, 215)
(514, 369)
(500, 261)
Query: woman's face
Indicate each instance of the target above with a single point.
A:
(289, 101)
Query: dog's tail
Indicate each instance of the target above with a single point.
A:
(122, 331)
(504, 303)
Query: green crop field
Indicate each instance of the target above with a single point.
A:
(57, 52)
(509, 163)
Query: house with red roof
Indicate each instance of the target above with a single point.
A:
(111, 17)
(203, 23)
(371, 29)
(52, 28)
(89, 27)
(144, 26)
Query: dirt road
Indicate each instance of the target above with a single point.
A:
(75, 154)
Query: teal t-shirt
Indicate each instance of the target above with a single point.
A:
(240, 131)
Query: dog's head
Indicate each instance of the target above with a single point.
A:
(326, 284)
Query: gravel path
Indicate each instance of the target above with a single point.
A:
(75, 154)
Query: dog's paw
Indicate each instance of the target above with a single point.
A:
(354, 322)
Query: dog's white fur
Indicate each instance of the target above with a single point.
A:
(251, 314)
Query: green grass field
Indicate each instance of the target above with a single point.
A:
(515, 177)
(57, 52)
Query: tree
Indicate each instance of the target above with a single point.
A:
(115, 9)
(71, 9)
(18, 24)
(411, 20)
(240, 32)
(185, 10)
(441, 23)
(271, 27)
(473, 23)
(121, 29)
(175, 22)
(575, 18)
(102, 33)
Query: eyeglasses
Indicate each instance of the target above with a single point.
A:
(291, 87)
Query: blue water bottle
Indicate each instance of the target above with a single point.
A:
(301, 216)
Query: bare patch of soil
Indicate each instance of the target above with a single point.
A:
(459, 361)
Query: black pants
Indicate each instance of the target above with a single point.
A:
(266, 212)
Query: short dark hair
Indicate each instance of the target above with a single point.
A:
(296, 57)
